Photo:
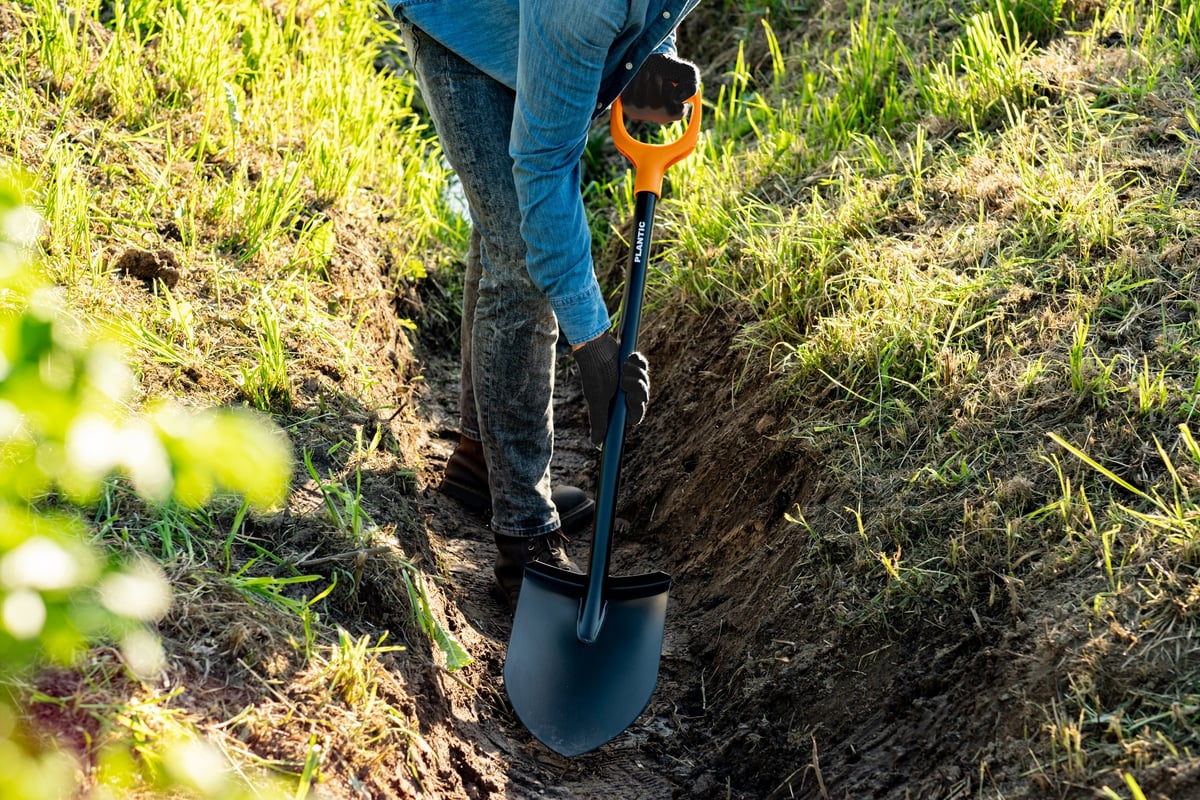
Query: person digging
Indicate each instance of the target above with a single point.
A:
(512, 87)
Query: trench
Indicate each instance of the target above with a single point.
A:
(497, 756)
(764, 690)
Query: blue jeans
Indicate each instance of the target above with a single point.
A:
(509, 330)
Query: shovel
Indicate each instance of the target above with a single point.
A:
(584, 651)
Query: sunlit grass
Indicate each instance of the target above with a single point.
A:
(957, 263)
(248, 140)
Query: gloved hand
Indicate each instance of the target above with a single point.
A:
(658, 91)
(597, 362)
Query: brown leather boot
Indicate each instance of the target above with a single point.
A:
(514, 553)
(466, 480)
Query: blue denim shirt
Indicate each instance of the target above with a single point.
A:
(567, 60)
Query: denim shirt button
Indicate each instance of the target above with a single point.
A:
(666, 15)
(628, 65)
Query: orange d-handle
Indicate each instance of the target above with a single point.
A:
(651, 161)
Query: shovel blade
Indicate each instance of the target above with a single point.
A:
(573, 696)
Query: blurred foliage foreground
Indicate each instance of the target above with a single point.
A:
(65, 430)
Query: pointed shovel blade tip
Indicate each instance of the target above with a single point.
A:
(574, 697)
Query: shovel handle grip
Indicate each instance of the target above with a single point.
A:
(651, 161)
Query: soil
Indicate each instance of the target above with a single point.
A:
(714, 727)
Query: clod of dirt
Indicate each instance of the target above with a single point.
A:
(160, 265)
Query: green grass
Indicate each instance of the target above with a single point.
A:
(254, 142)
(942, 238)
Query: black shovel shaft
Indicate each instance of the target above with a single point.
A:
(591, 615)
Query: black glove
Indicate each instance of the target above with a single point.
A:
(597, 362)
(658, 91)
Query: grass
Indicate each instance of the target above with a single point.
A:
(157, 125)
(942, 258)
(968, 228)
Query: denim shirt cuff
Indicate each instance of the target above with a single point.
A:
(582, 316)
(667, 46)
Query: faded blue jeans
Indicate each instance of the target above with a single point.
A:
(509, 330)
